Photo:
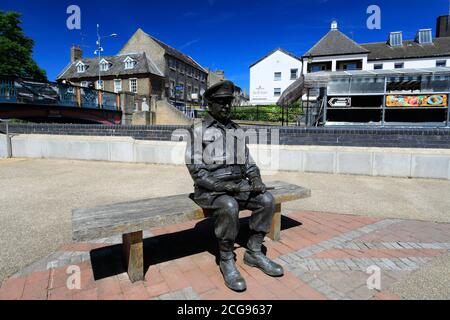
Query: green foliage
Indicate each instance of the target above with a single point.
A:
(270, 113)
(16, 49)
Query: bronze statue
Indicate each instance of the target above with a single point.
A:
(226, 183)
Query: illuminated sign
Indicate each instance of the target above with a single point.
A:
(436, 100)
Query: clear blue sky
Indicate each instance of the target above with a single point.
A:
(221, 34)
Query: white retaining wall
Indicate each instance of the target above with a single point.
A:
(3, 146)
(397, 162)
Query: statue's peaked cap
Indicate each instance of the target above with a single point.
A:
(223, 89)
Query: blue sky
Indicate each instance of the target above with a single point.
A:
(221, 34)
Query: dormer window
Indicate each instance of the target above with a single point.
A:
(81, 67)
(395, 39)
(104, 65)
(129, 63)
(424, 36)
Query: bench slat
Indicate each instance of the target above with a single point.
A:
(127, 217)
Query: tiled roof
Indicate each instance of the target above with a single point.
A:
(177, 54)
(335, 43)
(144, 65)
(272, 52)
(409, 49)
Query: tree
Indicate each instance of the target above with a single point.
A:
(16, 49)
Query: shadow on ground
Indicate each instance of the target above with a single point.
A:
(108, 262)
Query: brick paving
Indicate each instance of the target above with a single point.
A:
(325, 256)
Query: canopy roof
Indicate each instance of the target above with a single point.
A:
(320, 79)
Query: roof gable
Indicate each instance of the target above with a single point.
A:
(272, 52)
(335, 43)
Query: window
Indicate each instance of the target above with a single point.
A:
(172, 64)
(85, 84)
(104, 65)
(195, 90)
(99, 85)
(129, 63)
(441, 63)
(424, 36)
(180, 88)
(399, 65)
(133, 85)
(277, 92)
(182, 68)
(395, 39)
(117, 85)
(172, 88)
(378, 66)
(81, 67)
(189, 92)
(277, 76)
(294, 74)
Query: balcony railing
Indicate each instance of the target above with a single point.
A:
(21, 91)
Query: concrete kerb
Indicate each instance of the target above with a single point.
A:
(396, 162)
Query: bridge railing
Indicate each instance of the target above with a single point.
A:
(22, 91)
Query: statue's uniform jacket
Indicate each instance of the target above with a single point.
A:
(208, 175)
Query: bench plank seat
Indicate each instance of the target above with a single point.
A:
(127, 217)
(130, 218)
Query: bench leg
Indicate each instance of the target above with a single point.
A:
(275, 229)
(133, 253)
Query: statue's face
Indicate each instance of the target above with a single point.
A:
(220, 109)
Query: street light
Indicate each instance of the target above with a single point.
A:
(100, 50)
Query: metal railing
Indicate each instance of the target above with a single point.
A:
(22, 91)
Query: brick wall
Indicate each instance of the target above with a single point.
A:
(356, 137)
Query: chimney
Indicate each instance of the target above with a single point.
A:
(334, 25)
(443, 27)
(75, 54)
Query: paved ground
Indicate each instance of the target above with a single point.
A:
(325, 255)
(37, 197)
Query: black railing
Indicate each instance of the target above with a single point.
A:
(23, 91)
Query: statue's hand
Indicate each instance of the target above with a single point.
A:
(258, 186)
(229, 187)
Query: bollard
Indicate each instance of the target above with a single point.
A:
(8, 142)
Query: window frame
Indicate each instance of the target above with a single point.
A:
(440, 62)
(131, 87)
(397, 65)
(275, 76)
(275, 94)
(296, 73)
(121, 85)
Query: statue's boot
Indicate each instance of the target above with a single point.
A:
(231, 274)
(253, 257)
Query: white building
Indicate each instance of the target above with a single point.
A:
(271, 75)
(337, 52)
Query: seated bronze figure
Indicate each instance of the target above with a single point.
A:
(225, 184)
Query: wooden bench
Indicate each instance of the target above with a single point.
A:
(131, 218)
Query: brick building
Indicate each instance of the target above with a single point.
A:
(145, 66)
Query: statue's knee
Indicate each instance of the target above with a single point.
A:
(229, 205)
(267, 200)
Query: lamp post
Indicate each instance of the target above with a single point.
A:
(99, 51)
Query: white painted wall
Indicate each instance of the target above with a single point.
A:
(262, 82)
(398, 162)
(409, 63)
